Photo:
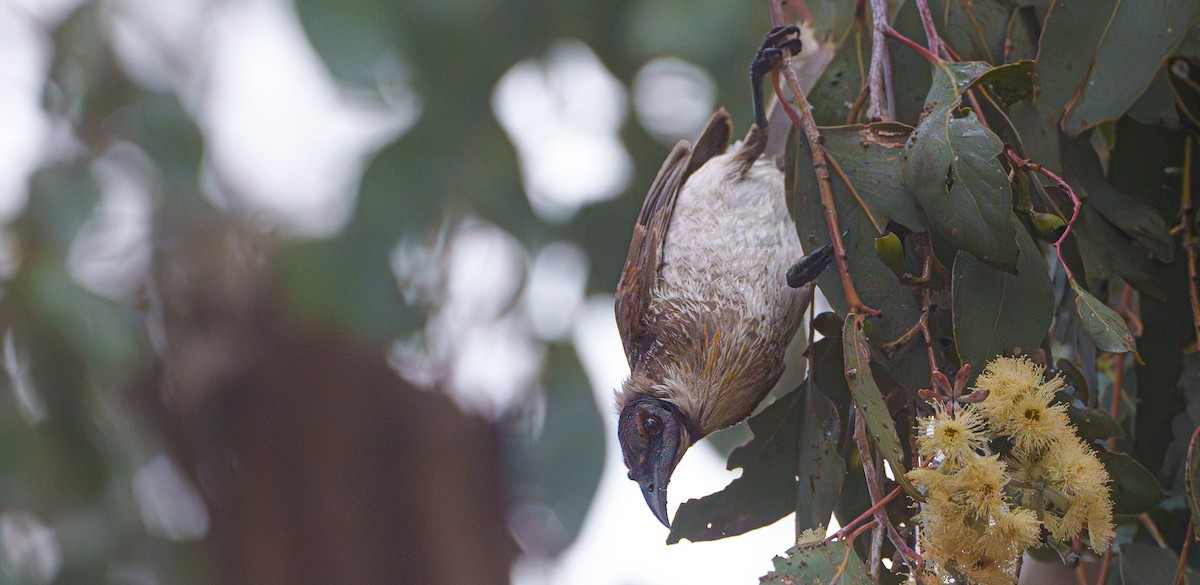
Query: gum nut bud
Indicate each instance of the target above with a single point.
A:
(828, 324)
(1048, 225)
(890, 251)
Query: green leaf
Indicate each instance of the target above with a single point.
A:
(1094, 423)
(1129, 213)
(1098, 57)
(791, 464)
(1103, 324)
(1140, 563)
(870, 156)
(876, 284)
(1011, 83)
(951, 168)
(976, 29)
(1134, 489)
(818, 562)
(1193, 468)
(995, 311)
(821, 469)
(869, 400)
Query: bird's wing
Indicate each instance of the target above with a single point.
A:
(642, 265)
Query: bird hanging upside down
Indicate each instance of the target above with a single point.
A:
(704, 305)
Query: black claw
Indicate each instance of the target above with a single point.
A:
(765, 59)
(809, 267)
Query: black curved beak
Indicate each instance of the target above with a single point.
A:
(810, 267)
(654, 489)
(653, 439)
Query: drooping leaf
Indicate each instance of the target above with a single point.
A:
(995, 311)
(951, 168)
(818, 562)
(1098, 57)
(976, 29)
(1094, 423)
(1134, 489)
(821, 469)
(1137, 219)
(869, 400)
(793, 455)
(1011, 83)
(1103, 324)
(1140, 563)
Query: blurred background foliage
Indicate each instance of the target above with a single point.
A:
(201, 363)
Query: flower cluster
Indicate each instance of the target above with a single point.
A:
(984, 509)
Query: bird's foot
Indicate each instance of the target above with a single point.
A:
(768, 56)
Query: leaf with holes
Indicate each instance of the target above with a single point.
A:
(795, 439)
(818, 562)
(951, 168)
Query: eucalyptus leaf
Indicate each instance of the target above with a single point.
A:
(1140, 563)
(995, 312)
(1103, 324)
(951, 168)
(818, 562)
(1098, 57)
(794, 437)
(1134, 489)
(870, 403)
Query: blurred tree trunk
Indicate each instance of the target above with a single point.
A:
(318, 462)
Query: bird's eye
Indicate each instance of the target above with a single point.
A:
(652, 424)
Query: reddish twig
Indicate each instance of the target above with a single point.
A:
(1105, 564)
(1183, 553)
(804, 121)
(1028, 166)
(841, 534)
(931, 33)
(1187, 218)
(922, 51)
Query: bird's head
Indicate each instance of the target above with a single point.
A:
(653, 435)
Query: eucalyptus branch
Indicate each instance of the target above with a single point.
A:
(1025, 165)
(922, 51)
(1187, 220)
(803, 120)
(931, 33)
(879, 56)
(874, 485)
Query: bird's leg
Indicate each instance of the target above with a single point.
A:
(768, 56)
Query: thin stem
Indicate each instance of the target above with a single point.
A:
(1183, 553)
(1028, 166)
(1187, 219)
(1152, 528)
(931, 33)
(1080, 575)
(922, 51)
(846, 180)
(1105, 564)
(879, 54)
(841, 534)
(874, 485)
(804, 121)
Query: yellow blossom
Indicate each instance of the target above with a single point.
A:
(1034, 424)
(1008, 380)
(957, 437)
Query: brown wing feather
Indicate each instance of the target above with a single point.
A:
(641, 271)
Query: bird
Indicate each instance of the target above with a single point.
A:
(704, 305)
